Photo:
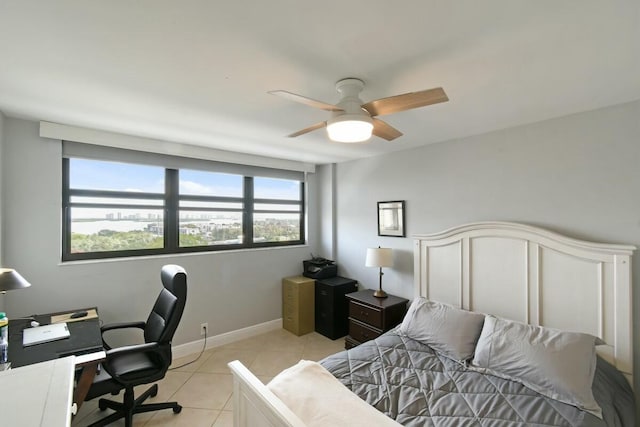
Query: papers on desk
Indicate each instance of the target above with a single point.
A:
(46, 333)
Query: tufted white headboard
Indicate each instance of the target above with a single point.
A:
(535, 276)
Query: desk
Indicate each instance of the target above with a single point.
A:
(38, 394)
(85, 342)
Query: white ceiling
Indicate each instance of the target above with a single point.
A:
(198, 72)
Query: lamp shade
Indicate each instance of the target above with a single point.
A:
(11, 279)
(379, 257)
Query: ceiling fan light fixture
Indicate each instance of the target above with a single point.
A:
(350, 128)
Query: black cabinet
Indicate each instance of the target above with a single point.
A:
(331, 306)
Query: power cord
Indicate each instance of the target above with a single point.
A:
(204, 346)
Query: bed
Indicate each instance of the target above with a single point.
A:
(524, 277)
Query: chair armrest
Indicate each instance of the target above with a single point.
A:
(116, 326)
(136, 348)
(122, 325)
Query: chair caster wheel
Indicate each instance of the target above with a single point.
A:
(154, 390)
(102, 405)
(177, 409)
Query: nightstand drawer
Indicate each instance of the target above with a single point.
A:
(361, 332)
(366, 314)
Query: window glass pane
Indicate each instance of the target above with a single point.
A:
(209, 205)
(199, 183)
(116, 201)
(271, 188)
(274, 207)
(99, 230)
(99, 175)
(210, 228)
(276, 227)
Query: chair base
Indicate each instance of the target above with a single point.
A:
(130, 406)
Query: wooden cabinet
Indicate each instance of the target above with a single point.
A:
(370, 317)
(331, 305)
(298, 304)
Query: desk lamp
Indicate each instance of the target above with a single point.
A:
(379, 257)
(11, 279)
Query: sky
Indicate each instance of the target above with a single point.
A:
(100, 175)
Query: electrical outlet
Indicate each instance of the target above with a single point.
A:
(204, 328)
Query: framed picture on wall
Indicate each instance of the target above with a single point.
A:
(391, 218)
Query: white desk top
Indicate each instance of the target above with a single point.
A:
(38, 394)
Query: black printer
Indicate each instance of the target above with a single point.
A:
(319, 268)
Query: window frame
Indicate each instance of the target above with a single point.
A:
(171, 209)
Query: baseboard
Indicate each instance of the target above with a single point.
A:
(194, 347)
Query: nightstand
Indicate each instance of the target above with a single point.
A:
(370, 317)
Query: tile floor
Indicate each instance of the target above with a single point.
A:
(204, 388)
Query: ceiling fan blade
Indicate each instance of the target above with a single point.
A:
(384, 130)
(407, 101)
(309, 129)
(304, 100)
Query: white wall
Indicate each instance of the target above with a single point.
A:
(578, 175)
(229, 290)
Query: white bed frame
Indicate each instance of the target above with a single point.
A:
(510, 270)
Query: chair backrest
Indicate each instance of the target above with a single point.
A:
(167, 311)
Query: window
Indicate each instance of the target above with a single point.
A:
(113, 207)
(276, 210)
(211, 209)
(119, 209)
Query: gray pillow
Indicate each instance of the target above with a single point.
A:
(448, 330)
(554, 363)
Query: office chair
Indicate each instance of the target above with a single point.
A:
(129, 366)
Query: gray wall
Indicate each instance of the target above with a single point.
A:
(1, 186)
(229, 290)
(1, 193)
(577, 175)
(325, 177)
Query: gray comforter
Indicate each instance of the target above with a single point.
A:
(416, 386)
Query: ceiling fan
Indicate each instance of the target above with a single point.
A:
(354, 121)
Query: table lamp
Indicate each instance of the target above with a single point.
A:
(11, 279)
(379, 257)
